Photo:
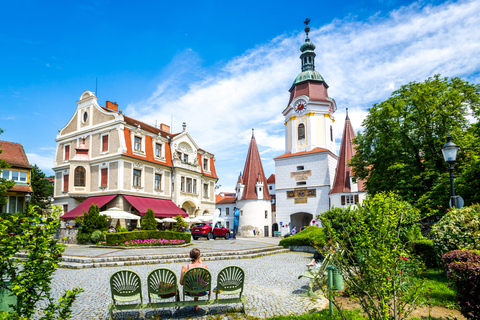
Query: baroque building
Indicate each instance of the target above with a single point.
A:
(115, 161)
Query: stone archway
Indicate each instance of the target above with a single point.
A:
(274, 229)
(300, 219)
(189, 207)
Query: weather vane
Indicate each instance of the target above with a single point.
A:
(307, 21)
(307, 28)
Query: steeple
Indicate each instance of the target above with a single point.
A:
(253, 176)
(343, 175)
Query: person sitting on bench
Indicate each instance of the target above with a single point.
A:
(317, 260)
(196, 262)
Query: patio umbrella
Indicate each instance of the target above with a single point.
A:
(169, 220)
(192, 220)
(205, 218)
(116, 213)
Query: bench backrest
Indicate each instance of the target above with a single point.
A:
(161, 282)
(230, 280)
(126, 286)
(197, 281)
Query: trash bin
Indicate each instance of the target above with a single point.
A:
(336, 280)
(6, 298)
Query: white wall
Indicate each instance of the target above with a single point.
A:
(254, 217)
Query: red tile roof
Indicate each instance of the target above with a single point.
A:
(343, 173)
(289, 154)
(14, 154)
(253, 172)
(314, 90)
(271, 179)
(21, 188)
(218, 198)
(227, 200)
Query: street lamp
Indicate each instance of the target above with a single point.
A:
(449, 151)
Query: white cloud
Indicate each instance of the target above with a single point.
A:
(43, 161)
(362, 61)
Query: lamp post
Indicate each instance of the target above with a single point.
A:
(28, 197)
(449, 151)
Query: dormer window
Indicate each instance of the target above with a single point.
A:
(301, 131)
(137, 144)
(205, 165)
(158, 150)
(185, 157)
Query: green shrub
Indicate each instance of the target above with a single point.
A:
(118, 237)
(180, 222)
(424, 251)
(97, 236)
(91, 221)
(311, 236)
(148, 221)
(458, 229)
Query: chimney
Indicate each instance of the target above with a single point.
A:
(164, 127)
(111, 105)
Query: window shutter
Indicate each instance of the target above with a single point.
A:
(104, 177)
(67, 152)
(343, 200)
(105, 143)
(65, 182)
(356, 198)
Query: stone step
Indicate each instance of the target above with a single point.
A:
(179, 258)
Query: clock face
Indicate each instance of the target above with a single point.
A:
(300, 106)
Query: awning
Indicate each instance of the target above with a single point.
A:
(161, 207)
(85, 205)
(116, 213)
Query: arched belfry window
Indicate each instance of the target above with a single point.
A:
(301, 131)
(79, 177)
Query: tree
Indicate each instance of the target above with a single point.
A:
(400, 147)
(4, 183)
(42, 188)
(148, 221)
(181, 223)
(92, 220)
(368, 251)
(30, 277)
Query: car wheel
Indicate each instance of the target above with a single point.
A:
(227, 235)
(210, 236)
(195, 238)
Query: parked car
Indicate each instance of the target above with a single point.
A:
(205, 230)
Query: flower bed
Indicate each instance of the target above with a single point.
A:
(150, 242)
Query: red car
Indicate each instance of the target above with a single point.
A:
(205, 230)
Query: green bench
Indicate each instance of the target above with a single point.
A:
(126, 289)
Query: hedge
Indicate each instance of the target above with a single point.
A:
(308, 237)
(463, 268)
(117, 237)
(424, 250)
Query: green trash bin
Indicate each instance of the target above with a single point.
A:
(7, 298)
(336, 280)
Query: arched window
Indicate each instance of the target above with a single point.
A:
(79, 177)
(301, 131)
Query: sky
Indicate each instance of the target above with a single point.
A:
(222, 67)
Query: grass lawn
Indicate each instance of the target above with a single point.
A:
(439, 293)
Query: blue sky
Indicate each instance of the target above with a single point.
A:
(221, 67)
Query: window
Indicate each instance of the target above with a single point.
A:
(270, 187)
(137, 177)
(137, 145)
(301, 131)
(228, 224)
(14, 175)
(349, 199)
(227, 211)
(14, 204)
(241, 212)
(158, 150)
(299, 168)
(79, 177)
(205, 190)
(104, 181)
(189, 185)
(331, 133)
(85, 116)
(158, 181)
(66, 153)
(195, 186)
(65, 208)
(220, 211)
(105, 143)
(185, 157)
(266, 214)
(205, 164)
(301, 183)
(65, 182)
(182, 184)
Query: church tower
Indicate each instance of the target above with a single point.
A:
(305, 172)
(309, 115)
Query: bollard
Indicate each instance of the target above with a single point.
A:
(330, 285)
(7, 299)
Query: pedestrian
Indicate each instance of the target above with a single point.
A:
(294, 231)
(254, 233)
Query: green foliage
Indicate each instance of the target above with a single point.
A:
(377, 268)
(438, 289)
(458, 229)
(118, 237)
(400, 148)
(424, 250)
(92, 220)
(180, 224)
(121, 229)
(323, 315)
(4, 183)
(41, 187)
(97, 236)
(148, 221)
(31, 277)
(311, 236)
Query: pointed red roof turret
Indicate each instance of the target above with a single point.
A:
(82, 152)
(240, 179)
(344, 171)
(253, 173)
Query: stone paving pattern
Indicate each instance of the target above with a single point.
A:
(272, 286)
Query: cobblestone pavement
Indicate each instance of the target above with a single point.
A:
(272, 288)
(202, 244)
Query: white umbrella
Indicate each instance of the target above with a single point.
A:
(169, 220)
(192, 220)
(205, 218)
(158, 220)
(116, 213)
